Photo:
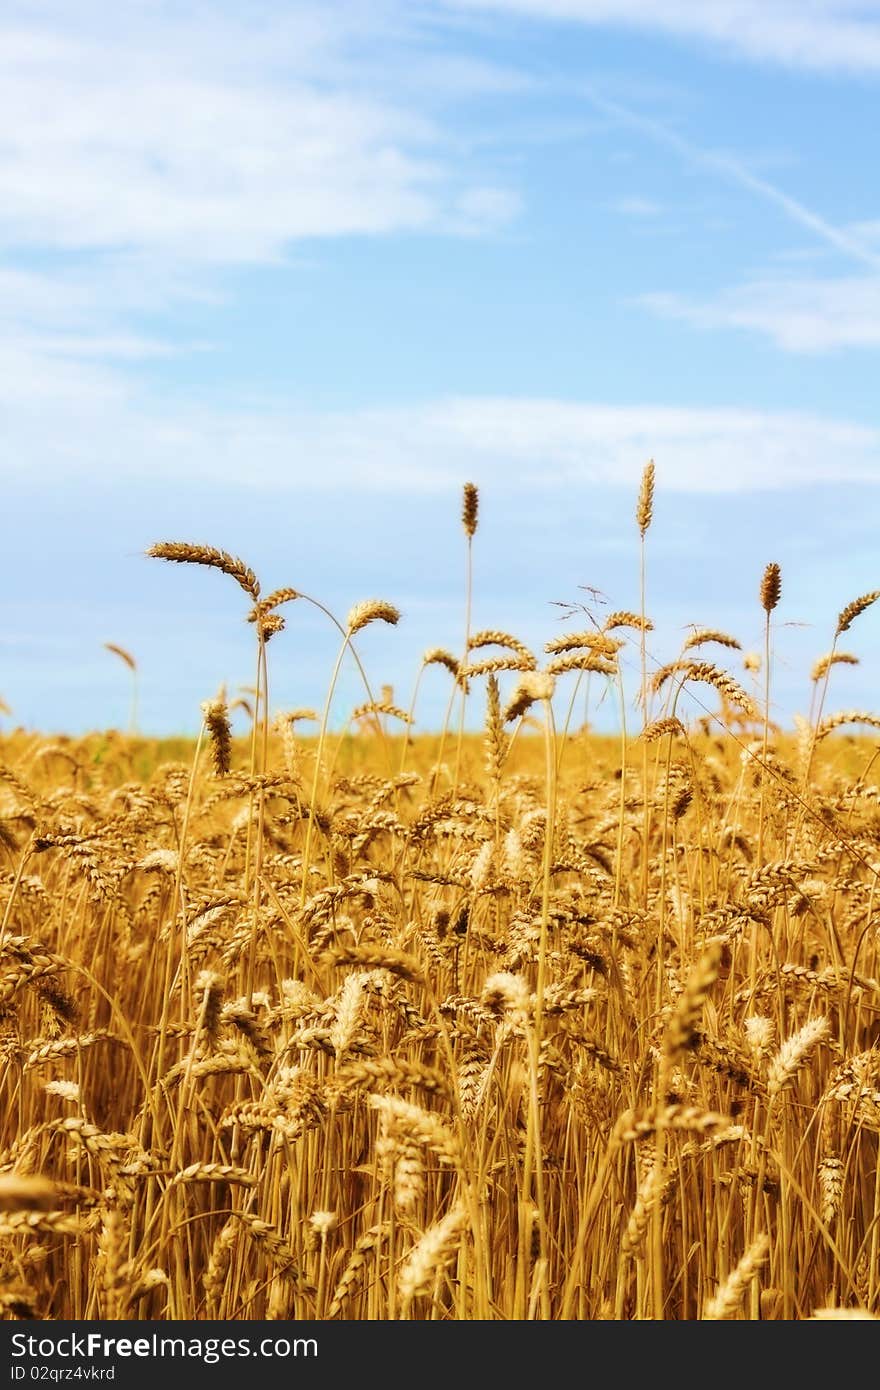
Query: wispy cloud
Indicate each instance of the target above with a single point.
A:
(221, 146)
(104, 435)
(841, 238)
(644, 208)
(803, 316)
(811, 34)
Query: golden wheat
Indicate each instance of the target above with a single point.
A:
(569, 1026)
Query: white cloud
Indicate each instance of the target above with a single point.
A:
(203, 139)
(103, 433)
(141, 146)
(805, 315)
(60, 333)
(144, 147)
(812, 34)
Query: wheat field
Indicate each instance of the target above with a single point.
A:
(535, 1023)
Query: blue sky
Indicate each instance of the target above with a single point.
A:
(281, 277)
